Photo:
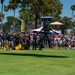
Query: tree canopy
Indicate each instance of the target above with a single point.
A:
(32, 10)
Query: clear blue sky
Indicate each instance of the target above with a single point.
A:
(66, 11)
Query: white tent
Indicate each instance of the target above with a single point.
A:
(39, 29)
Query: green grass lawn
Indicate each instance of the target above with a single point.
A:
(36, 62)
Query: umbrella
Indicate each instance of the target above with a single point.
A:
(56, 23)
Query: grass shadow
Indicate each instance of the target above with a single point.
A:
(34, 55)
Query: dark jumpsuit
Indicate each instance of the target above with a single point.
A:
(45, 33)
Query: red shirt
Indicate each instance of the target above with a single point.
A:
(51, 38)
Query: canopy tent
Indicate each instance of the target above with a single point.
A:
(38, 30)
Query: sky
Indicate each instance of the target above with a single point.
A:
(66, 11)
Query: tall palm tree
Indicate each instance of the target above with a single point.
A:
(1, 15)
(12, 5)
(2, 2)
(72, 8)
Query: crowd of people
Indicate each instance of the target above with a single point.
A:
(27, 41)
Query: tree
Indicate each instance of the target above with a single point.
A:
(1, 14)
(45, 8)
(39, 8)
(27, 16)
(2, 2)
(67, 24)
(72, 8)
(1, 18)
(12, 5)
(22, 4)
(8, 26)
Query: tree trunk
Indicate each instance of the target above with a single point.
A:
(14, 22)
(36, 22)
(2, 17)
(72, 14)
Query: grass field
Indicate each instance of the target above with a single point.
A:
(36, 62)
